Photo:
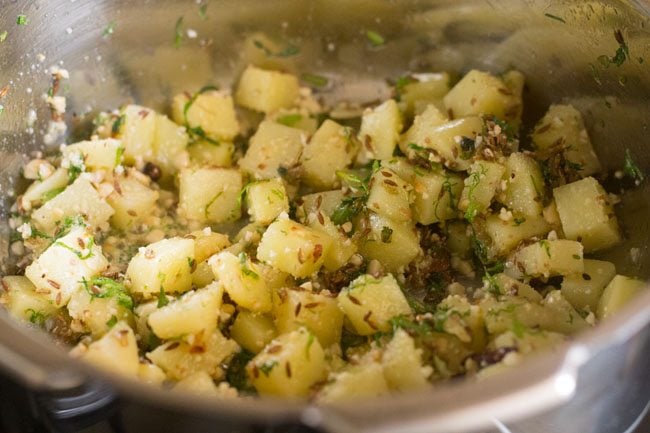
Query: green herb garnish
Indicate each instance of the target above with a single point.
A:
(555, 17)
(49, 195)
(21, 20)
(3, 35)
(547, 247)
(104, 287)
(375, 39)
(314, 80)
(289, 119)
(288, 51)
(117, 125)
(162, 298)
(36, 317)
(111, 322)
(110, 29)
(348, 209)
(243, 262)
(267, 367)
(631, 168)
(178, 32)
(203, 11)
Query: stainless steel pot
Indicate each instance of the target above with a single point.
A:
(598, 383)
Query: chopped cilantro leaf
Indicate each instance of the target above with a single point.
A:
(21, 20)
(375, 39)
(289, 119)
(178, 32)
(245, 269)
(110, 29)
(203, 11)
(162, 298)
(631, 168)
(288, 51)
(314, 80)
(111, 322)
(3, 35)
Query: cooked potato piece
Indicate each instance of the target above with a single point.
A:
(96, 154)
(583, 290)
(100, 303)
(507, 285)
(319, 312)
(565, 318)
(242, 280)
(528, 342)
(389, 195)
(44, 190)
(437, 193)
(361, 381)
(402, 363)
(272, 147)
(562, 130)
(216, 155)
(164, 266)
(266, 91)
(136, 129)
(506, 235)
(23, 302)
(202, 275)
(480, 187)
(253, 331)
(325, 202)
(80, 198)
(480, 93)
(210, 194)
(132, 202)
(524, 185)
(545, 258)
(170, 146)
(403, 168)
(266, 200)
(195, 312)
(293, 248)
(341, 248)
(379, 133)
(586, 214)
(459, 240)
(150, 373)
(83, 260)
(369, 303)
(618, 293)
(210, 110)
(419, 133)
(331, 149)
(394, 244)
(179, 359)
(289, 365)
(422, 91)
(198, 383)
(208, 243)
(118, 344)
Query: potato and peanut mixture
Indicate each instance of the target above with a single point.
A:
(255, 243)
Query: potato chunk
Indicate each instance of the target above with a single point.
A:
(402, 363)
(389, 195)
(394, 244)
(137, 127)
(210, 194)
(379, 133)
(506, 235)
(319, 312)
(293, 248)
(331, 149)
(583, 290)
(216, 155)
(96, 154)
(359, 381)
(437, 193)
(80, 198)
(44, 190)
(242, 280)
(193, 313)
(23, 302)
(369, 303)
(164, 266)
(59, 271)
(480, 187)
(272, 147)
(289, 365)
(118, 344)
(586, 214)
(170, 147)
(212, 111)
(253, 331)
(424, 90)
(266, 91)
(618, 293)
(132, 202)
(266, 200)
(342, 247)
(525, 185)
(545, 258)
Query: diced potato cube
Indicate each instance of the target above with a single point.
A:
(179, 359)
(266, 91)
(585, 289)
(319, 312)
(273, 146)
(389, 195)
(169, 146)
(360, 381)
(420, 131)
(212, 111)
(44, 190)
(509, 286)
(132, 202)
(331, 149)
(618, 293)
(369, 303)
(266, 200)
(151, 374)
(379, 133)
(545, 258)
(296, 118)
(511, 313)
(164, 266)
(210, 194)
(193, 313)
(23, 302)
(393, 244)
(525, 185)
(402, 363)
(202, 275)
(566, 319)
(479, 93)
(96, 154)
(198, 383)
(242, 280)
(215, 155)
(80, 198)
(528, 342)
(437, 193)
(465, 320)
(252, 331)
(325, 202)
(459, 240)
(289, 365)
(293, 248)
(342, 247)
(586, 214)
(58, 272)
(118, 344)
(208, 243)
(480, 187)
(506, 235)
(137, 129)
(426, 89)
(99, 304)
(563, 130)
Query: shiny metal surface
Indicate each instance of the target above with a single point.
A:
(597, 384)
